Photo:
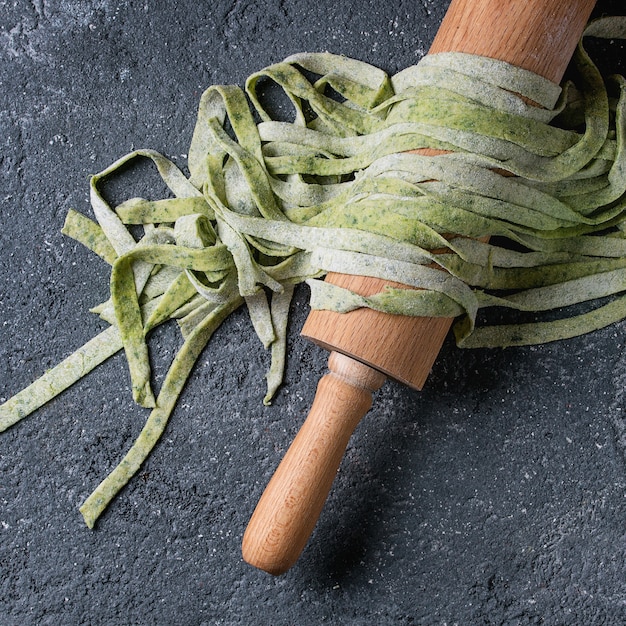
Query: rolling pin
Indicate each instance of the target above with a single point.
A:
(367, 346)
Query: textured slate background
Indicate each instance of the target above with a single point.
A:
(495, 496)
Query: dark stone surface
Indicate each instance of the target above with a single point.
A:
(495, 496)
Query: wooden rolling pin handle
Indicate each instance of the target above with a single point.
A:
(293, 500)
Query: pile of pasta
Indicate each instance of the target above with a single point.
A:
(267, 204)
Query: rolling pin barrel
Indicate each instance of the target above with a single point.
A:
(366, 345)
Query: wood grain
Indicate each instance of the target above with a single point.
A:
(289, 507)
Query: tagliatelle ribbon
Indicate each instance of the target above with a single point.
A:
(269, 204)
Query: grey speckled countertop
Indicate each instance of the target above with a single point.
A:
(495, 496)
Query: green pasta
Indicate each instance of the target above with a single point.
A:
(272, 204)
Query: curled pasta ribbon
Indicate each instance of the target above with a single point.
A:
(271, 203)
